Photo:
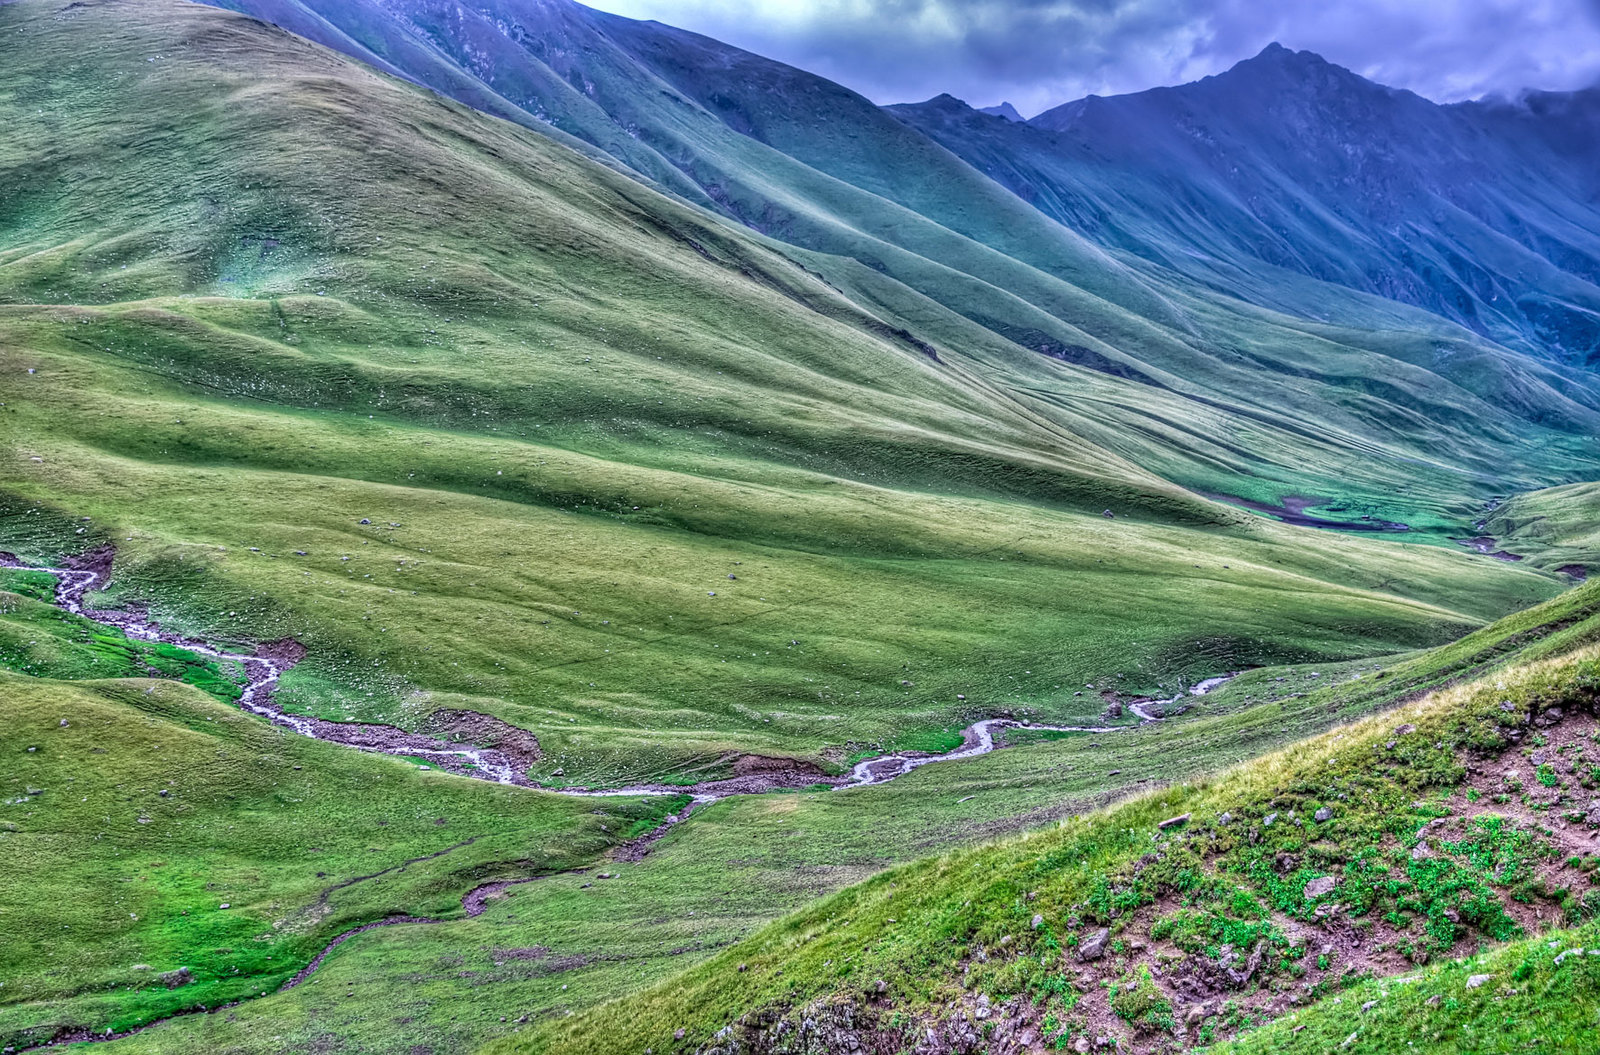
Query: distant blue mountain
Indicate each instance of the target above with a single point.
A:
(1005, 110)
(1483, 213)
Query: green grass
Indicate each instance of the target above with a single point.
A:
(135, 809)
(41, 640)
(587, 406)
(1554, 528)
(658, 490)
(1531, 1003)
(599, 653)
(1388, 408)
(733, 867)
(1197, 888)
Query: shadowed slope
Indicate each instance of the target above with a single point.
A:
(1290, 166)
(897, 221)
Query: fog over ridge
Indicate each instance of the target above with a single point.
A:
(1040, 53)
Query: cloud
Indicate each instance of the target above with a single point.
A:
(1038, 53)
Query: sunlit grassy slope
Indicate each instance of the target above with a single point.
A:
(985, 942)
(635, 480)
(1558, 528)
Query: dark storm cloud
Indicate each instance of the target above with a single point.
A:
(1041, 52)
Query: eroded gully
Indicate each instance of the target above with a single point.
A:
(263, 668)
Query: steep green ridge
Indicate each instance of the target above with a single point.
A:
(1437, 830)
(1195, 385)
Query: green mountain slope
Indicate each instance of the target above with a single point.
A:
(294, 349)
(1557, 529)
(1404, 423)
(1334, 875)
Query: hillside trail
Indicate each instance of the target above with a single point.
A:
(264, 667)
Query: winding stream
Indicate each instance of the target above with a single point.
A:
(263, 669)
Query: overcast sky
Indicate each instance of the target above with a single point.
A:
(1038, 53)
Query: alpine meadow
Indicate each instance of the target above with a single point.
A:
(524, 530)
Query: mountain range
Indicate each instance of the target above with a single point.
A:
(1482, 213)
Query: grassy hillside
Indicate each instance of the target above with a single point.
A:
(1556, 529)
(1300, 387)
(487, 426)
(573, 940)
(1382, 849)
(571, 409)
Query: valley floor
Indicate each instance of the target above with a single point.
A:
(596, 929)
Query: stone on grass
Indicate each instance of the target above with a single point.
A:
(1320, 886)
(1093, 946)
(1478, 979)
(174, 979)
(1322, 815)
